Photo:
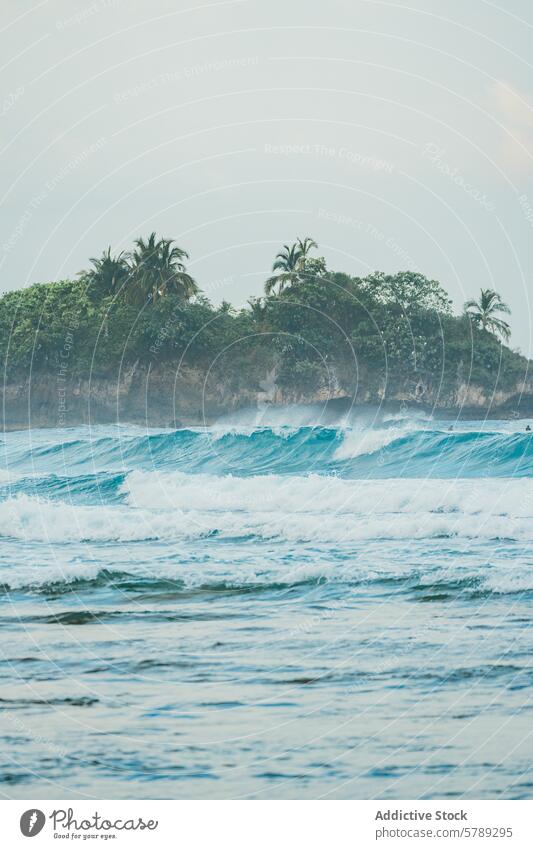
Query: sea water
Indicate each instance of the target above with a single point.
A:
(255, 610)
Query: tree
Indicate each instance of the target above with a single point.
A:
(287, 264)
(304, 246)
(108, 274)
(484, 313)
(408, 290)
(290, 263)
(157, 267)
(315, 267)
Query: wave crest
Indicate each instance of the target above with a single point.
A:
(400, 449)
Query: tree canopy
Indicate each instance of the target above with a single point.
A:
(313, 325)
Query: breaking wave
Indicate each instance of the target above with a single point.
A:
(82, 503)
(297, 509)
(397, 449)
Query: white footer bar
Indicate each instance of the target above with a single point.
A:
(268, 824)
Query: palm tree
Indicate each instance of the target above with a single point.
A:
(304, 247)
(287, 263)
(158, 268)
(484, 313)
(109, 273)
(290, 263)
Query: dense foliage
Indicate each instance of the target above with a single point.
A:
(315, 328)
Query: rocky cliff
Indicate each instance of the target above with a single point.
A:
(164, 397)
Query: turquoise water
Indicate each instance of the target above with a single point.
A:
(304, 611)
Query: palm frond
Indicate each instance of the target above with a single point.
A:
(483, 313)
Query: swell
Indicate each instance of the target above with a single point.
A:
(82, 489)
(407, 450)
(437, 586)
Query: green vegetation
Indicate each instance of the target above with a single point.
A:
(485, 313)
(154, 269)
(317, 328)
(290, 263)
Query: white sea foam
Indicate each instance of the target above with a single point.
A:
(509, 580)
(378, 562)
(36, 575)
(173, 506)
(326, 496)
(356, 443)
(272, 416)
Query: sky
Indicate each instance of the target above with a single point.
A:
(397, 135)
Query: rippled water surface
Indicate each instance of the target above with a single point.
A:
(267, 612)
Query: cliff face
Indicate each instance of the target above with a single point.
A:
(135, 395)
(163, 397)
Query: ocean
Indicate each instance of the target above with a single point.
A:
(285, 607)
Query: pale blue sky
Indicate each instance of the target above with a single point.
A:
(397, 135)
